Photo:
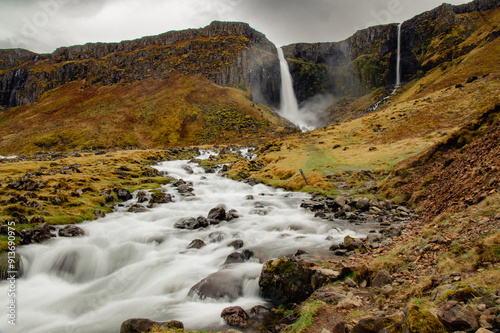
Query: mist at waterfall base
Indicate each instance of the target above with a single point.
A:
(137, 265)
(308, 116)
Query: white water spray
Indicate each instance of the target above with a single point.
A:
(289, 107)
(137, 265)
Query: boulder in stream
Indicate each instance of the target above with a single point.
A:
(71, 231)
(139, 325)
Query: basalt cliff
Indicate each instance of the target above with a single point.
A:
(212, 84)
(361, 70)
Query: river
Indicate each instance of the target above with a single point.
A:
(137, 265)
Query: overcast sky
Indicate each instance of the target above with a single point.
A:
(44, 25)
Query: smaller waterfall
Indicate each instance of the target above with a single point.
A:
(398, 62)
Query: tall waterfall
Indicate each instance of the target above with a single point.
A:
(398, 62)
(289, 107)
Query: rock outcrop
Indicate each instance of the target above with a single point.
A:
(227, 53)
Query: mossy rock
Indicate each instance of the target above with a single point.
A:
(284, 281)
(461, 292)
(417, 320)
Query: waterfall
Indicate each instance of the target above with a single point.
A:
(398, 62)
(289, 107)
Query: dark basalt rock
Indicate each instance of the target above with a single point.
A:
(192, 223)
(285, 281)
(223, 284)
(217, 214)
(236, 316)
(122, 194)
(196, 244)
(138, 325)
(71, 231)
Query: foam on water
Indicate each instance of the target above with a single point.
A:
(136, 265)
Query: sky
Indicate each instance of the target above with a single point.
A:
(44, 25)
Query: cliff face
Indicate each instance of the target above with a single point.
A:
(228, 54)
(357, 66)
(350, 67)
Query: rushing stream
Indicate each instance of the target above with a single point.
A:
(137, 265)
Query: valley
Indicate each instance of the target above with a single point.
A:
(402, 199)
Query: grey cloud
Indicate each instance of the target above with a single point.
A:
(283, 21)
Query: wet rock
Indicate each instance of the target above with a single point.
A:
(99, 213)
(137, 325)
(225, 284)
(71, 231)
(185, 189)
(122, 194)
(351, 244)
(160, 198)
(191, 223)
(285, 281)
(237, 244)
(136, 208)
(42, 233)
(382, 277)
(188, 169)
(196, 244)
(249, 197)
(217, 236)
(251, 181)
(455, 318)
(416, 320)
(239, 257)
(260, 311)
(142, 196)
(232, 214)
(217, 214)
(236, 316)
(313, 205)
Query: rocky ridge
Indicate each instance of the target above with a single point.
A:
(227, 53)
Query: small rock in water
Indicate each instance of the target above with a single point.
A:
(237, 244)
(217, 214)
(71, 231)
(196, 244)
(236, 316)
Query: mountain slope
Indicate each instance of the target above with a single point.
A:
(184, 87)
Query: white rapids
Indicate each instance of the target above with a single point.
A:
(136, 265)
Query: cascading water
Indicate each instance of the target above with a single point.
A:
(137, 265)
(398, 62)
(289, 107)
(398, 77)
